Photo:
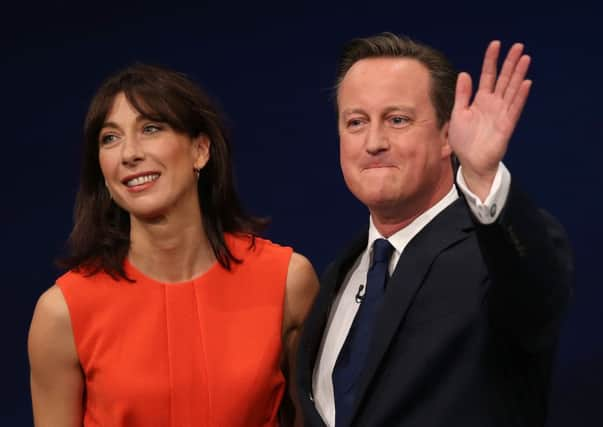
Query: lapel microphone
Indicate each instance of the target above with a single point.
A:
(360, 294)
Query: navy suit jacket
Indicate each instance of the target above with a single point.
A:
(467, 332)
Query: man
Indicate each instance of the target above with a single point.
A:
(445, 311)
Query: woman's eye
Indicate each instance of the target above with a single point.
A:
(108, 138)
(149, 129)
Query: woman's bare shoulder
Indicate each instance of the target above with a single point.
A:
(50, 332)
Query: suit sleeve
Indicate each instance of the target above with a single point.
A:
(530, 264)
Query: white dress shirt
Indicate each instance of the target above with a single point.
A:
(344, 307)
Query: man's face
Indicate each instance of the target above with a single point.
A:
(393, 156)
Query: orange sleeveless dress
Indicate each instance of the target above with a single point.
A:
(201, 353)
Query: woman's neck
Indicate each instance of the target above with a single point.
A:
(170, 250)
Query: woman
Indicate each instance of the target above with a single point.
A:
(173, 312)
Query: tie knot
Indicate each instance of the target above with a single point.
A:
(382, 250)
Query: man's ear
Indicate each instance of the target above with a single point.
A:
(201, 145)
(446, 148)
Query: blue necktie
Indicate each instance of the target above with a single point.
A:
(352, 356)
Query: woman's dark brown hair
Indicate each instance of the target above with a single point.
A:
(100, 238)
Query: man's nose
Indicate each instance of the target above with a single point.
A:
(376, 139)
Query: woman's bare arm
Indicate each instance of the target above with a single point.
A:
(57, 381)
(302, 287)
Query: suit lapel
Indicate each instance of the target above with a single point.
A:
(329, 286)
(314, 326)
(449, 227)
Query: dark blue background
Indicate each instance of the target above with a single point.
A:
(271, 67)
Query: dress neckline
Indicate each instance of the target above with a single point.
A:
(134, 273)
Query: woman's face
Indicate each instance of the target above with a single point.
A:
(148, 167)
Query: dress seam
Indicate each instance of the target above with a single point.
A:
(202, 342)
(169, 359)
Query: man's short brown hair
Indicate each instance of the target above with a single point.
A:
(443, 74)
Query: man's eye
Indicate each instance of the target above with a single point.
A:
(399, 120)
(352, 123)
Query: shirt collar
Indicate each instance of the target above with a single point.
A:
(400, 239)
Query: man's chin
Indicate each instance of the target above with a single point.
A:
(384, 206)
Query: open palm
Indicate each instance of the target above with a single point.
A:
(479, 132)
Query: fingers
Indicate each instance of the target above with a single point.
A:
(512, 74)
(508, 68)
(516, 79)
(488, 76)
(510, 84)
(519, 101)
(462, 95)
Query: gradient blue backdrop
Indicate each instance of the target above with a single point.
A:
(271, 67)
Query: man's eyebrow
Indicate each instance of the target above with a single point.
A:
(404, 108)
(349, 111)
(386, 110)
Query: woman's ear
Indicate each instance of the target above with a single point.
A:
(201, 145)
